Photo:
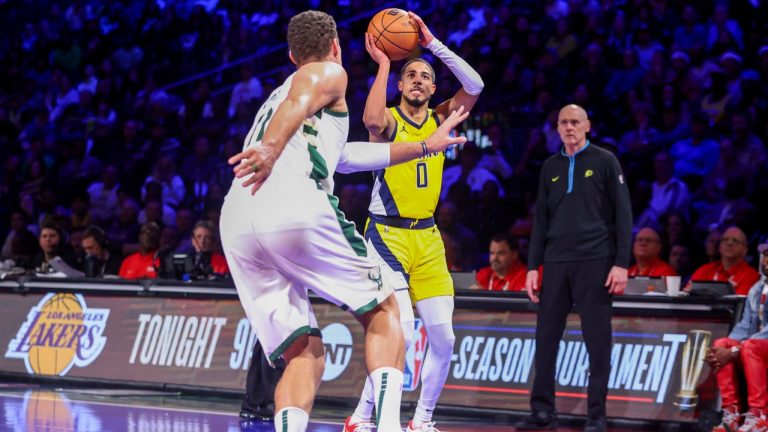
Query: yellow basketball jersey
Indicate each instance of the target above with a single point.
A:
(410, 189)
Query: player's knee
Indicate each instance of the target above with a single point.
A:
(391, 308)
(441, 339)
(306, 347)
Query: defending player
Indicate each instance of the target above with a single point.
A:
(401, 226)
(283, 234)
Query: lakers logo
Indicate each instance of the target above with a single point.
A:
(60, 332)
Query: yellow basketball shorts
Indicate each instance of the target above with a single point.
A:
(415, 248)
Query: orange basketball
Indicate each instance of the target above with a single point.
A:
(394, 33)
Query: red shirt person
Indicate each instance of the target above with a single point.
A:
(647, 250)
(506, 272)
(732, 266)
(144, 263)
(206, 258)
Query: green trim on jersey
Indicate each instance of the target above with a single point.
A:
(310, 130)
(348, 228)
(320, 172)
(367, 308)
(291, 339)
(319, 168)
(335, 113)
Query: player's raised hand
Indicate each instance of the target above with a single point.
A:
(441, 139)
(376, 54)
(254, 161)
(425, 36)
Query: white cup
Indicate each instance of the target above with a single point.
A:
(673, 285)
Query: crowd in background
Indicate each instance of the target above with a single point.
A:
(117, 118)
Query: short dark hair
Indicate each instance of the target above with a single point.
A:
(509, 239)
(96, 233)
(418, 59)
(204, 223)
(51, 226)
(310, 34)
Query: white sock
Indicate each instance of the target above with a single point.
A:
(291, 419)
(387, 390)
(364, 410)
(436, 312)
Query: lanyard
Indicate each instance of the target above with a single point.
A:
(490, 283)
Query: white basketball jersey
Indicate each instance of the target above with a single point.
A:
(313, 150)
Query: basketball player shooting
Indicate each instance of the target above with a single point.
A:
(401, 225)
(283, 233)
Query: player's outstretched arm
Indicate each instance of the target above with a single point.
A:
(377, 118)
(315, 86)
(472, 83)
(367, 156)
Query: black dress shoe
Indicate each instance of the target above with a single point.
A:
(261, 413)
(596, 424)
(538, 421)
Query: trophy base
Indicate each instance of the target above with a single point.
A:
(686, 401)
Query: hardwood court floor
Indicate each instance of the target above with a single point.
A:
(35, 408)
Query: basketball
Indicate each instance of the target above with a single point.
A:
(394, 33)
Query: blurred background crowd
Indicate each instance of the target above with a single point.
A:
(117, 117)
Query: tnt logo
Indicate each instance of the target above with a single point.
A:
(414, 357)
(338, 350)
(60, 332)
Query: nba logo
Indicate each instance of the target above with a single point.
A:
(414, 357)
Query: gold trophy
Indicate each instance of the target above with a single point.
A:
(694, 351)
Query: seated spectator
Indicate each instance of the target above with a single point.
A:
(104, 202)
(468, 172)
(18, 225)
(494, 159)
(172, 189)
(248, 89)
(99, 262)
(198, 170)
(681, 262)
(712, 245)
(124, 231)
(144, 263)
(745, 350)
(675, 230)
(735, 210)
(733, 266)
(81, 210)
(696, 156)
(185, 222)
(52, 246)
(668, 193)
(204, 262)
(155, 210)
(647, 251)
(506, 271)
(454, 254)
(75, 238)
(466, 240)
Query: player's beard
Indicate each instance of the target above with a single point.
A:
(416, 103)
